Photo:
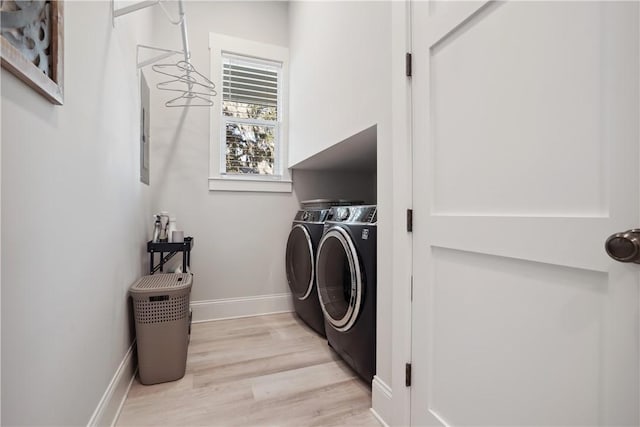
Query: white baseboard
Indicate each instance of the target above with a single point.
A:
(229, 308)
(109, 407)
(381, 401)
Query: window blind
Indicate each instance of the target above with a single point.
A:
(249, 81)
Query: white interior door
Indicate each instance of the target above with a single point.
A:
(526, 137)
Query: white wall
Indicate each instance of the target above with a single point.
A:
(340, 73)
(240, 238)
(339, 61)
(74, 221)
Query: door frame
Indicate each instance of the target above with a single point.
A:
(402, 260)
(402, 134)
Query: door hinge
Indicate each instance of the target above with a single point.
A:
(409, 219)
(407, 375)
(407, 63)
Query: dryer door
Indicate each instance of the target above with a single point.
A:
(299, 262)
(339, 279)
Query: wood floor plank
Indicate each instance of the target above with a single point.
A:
(260, 347)
(296, 381)
(260, 371)
(305, 408)
(258, 367)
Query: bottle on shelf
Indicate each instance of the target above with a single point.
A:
(156, 229)
(171, 228)
(164, 223)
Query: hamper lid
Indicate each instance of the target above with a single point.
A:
(160, 282)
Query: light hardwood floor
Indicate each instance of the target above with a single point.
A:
(255, 371)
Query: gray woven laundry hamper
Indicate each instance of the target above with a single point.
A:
(161, 311)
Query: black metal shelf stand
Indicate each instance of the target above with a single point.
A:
(170, 249)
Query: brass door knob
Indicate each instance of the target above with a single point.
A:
(624, 247)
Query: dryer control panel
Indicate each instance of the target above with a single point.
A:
(354, 214)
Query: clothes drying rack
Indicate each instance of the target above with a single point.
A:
(194, 88)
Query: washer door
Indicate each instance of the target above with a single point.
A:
(299, 262)
(339, 279)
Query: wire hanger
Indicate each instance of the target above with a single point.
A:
(189, 99)
(187, 80)
(196, 89)
(184, 72)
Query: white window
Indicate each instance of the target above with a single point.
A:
(248, 147)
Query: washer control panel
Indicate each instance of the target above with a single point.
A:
(312, 215)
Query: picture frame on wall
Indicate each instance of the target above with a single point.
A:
(32, 44)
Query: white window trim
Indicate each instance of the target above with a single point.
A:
(219, 43)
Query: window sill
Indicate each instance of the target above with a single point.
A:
(249, 184)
